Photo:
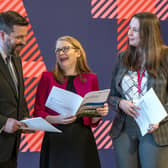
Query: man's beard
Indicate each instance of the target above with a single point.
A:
(15, 49)
(12, 48)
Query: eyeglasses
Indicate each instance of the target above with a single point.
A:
(64, 49)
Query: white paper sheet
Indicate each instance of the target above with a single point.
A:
(64, 102)
(151, 111)
(67, 103)
(39, 123)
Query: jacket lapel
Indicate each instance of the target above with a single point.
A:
(6, 75)
(151, 82)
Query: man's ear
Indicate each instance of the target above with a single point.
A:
(2, 35)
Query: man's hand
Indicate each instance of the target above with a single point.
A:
(26, 130)
(12, 125)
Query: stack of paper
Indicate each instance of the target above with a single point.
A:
(69, 104)
(39, 124)
(151, 111)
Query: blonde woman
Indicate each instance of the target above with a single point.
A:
(75, 147)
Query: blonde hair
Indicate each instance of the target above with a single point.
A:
(81, 65)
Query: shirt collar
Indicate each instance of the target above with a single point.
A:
(3, 54)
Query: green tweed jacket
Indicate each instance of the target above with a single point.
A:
(159, 84)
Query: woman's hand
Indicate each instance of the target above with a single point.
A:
(153, 127)
(60, 119)
(103, 111)
(129, 108)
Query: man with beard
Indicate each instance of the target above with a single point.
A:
(13, 107)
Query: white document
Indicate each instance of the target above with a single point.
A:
(151, 111)
(39, 123)
(67, 103)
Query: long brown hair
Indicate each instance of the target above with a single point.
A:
(150, 47)
(81, 65)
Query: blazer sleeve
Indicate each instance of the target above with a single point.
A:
(3, 120)
(25, 109)
(24, 104)
(41, 97)
(114, 97)
(95, 87)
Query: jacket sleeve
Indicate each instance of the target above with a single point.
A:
(41, 97)
(24, 104)
(114, 97)
(25, 109)
(165, 99)
(3, 120)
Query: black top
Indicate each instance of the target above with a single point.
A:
(70, 85)
(74, 148)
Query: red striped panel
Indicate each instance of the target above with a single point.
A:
(122, 37)
(109, 10)
(106, 141)
(125, 9)
(93, 2)
(101, 134)
(32, 41)
(33, 68)
(30, 140)
(33, 82)
(103, 8)
(4, 4)
(96, 7)
(161, 9)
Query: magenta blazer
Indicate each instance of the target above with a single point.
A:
(45, 85)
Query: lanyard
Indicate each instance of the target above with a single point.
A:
(140, 79)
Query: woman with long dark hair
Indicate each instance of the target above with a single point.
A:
(142, 66)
